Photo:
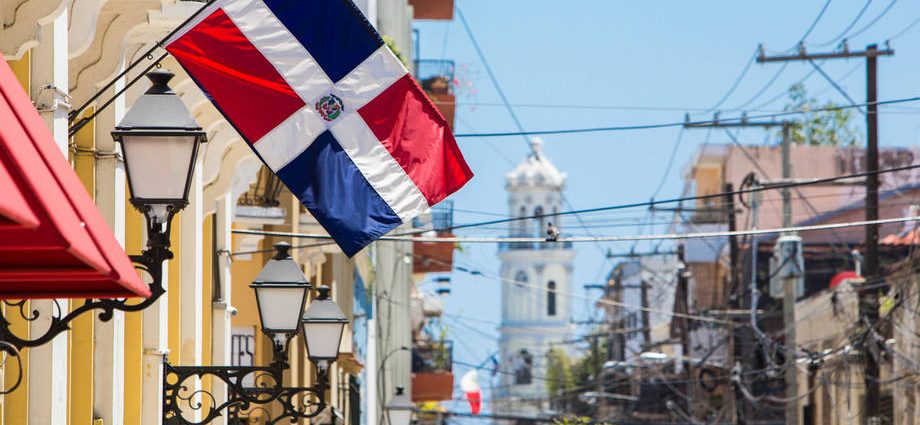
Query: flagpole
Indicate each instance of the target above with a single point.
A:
(72, 115)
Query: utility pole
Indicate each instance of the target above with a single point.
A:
(868, 298)
(646, 319)
(741, 345)
(736, 300)
(789, 297)
(683, 288)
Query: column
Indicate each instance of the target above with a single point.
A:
(220, 334)
(156, 325)
(48, 363)
(109, 354)
(190, 292)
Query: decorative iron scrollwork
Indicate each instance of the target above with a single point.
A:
(181, 402)
(184, 405)
(150, 262)
(250, 389)
(294, 403)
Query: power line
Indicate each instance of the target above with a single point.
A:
(610, 238)
(849, 27)
(905, 30)
(491, 75)
(874, 21)
(779, 72)
(734, 86)
(401, 236)
(814, 23)
(686, 198)
(681, 123)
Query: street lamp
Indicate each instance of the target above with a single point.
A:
(159, 139)
(400, 408)
(281, 292)
(323, 325)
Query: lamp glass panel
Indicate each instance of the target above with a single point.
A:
(323, 339)
(400, 416)
(280, 308)
(159, 165)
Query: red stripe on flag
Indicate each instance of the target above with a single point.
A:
(417, 136)
(243, 84)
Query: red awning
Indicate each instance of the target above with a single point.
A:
(54, 243)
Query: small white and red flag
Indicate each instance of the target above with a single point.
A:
(469, 384)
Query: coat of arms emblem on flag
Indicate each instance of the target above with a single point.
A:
(332, 112)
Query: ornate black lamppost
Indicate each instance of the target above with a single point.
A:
(281, 291)
(159, 139)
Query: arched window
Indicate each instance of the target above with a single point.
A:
(520, 278)
(551, 298)
(522, 224)
(522, 365)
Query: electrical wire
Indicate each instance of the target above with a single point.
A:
(734, 86)
(849, 26)
(592, 239)
(683, 123)
(873, 21)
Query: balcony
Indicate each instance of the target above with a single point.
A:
(432, 372)
(434, 257)
(265, 192)
(433, 9)
(436, 77)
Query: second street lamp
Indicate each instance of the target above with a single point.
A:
(323, 325)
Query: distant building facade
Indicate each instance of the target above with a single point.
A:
(536, 283)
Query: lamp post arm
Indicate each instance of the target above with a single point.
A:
(265, 386)
(179, 395)
(150, 261)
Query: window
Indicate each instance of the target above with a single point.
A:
(538, 212)
(522, 365)
(522, 225)
(520, 279)
(551, 298)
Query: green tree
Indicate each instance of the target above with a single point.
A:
(820, 124)
(559, 378)
(589, 366)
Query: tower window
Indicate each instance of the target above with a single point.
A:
(522, 365)
(538, 212)
(551, 298)
(520, 279)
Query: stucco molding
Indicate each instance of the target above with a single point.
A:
(22, 21)
(96, 65)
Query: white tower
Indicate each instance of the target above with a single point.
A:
(536, 281)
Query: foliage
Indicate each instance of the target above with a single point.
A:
(391, 43)
(559, 378)
(591, 364)
(821, 125)
(440, 353)
(575, 420)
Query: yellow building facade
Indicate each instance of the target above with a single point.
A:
(110, 372)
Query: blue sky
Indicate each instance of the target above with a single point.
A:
(589, 63)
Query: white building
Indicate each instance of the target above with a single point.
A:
(537, 281)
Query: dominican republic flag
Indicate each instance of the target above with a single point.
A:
(325, 104)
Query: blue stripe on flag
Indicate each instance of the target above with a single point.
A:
(329, 184)
(335, 32)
